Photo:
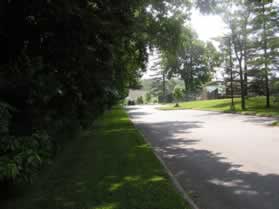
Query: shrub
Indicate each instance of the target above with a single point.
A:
(148, 97)
(140, 100)
(178, 94)
(21, 157)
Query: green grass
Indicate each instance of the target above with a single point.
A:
(108, 167)
(255, 106)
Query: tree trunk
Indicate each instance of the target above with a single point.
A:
(191, 74)
(164, 87)
(245, 71)
(185, 85)
(239, 56)
(231, 79)
(245, 55)
(267, 92)
(243, 106)
(245, 80)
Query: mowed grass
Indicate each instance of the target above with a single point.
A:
(108, 167)
(255, 106)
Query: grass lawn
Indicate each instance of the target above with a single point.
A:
(276, 123)
(108, 167)
(255, 106)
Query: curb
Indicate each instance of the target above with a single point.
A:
(175, 182)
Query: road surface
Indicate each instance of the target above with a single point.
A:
(225, 161)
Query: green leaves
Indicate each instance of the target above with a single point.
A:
(21, 157)
(193, 61)
(178, 93)
(69, 61)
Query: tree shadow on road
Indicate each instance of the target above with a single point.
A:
(218, 182)
(214, 181)
(244, 118)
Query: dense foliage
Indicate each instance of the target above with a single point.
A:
(178, 95)
(248, 52)
(193, 61)
(252, 45)
(65, 62)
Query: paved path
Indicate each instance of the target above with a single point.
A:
(226, 161)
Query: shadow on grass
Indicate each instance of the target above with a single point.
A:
(224, 105)
(112, 168)
(107, 168)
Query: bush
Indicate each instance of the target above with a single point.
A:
(140, 100)
(148, 97)
(21, 157)
(155, 101)
(178, 95)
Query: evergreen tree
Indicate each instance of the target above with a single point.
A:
(266, 44)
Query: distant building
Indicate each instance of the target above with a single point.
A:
(236, 88)
(134, 94)
(213, 90)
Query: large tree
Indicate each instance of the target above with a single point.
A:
(237, 16)
(265, 40)
(194, 61)
(228, 65)
(65, 62)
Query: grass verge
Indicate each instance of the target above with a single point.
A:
(275, 123)
(108, 167)
(255, 106)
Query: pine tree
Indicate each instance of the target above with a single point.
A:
(265, 41)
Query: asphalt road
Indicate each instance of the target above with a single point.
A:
(225, 161)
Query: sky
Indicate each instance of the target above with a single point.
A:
(207, 28)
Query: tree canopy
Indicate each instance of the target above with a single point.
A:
(193, 61)
(65, 62)
(253, 31)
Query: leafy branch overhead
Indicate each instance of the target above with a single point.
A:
(64, 63)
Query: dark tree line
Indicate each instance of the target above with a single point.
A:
(63, 63)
